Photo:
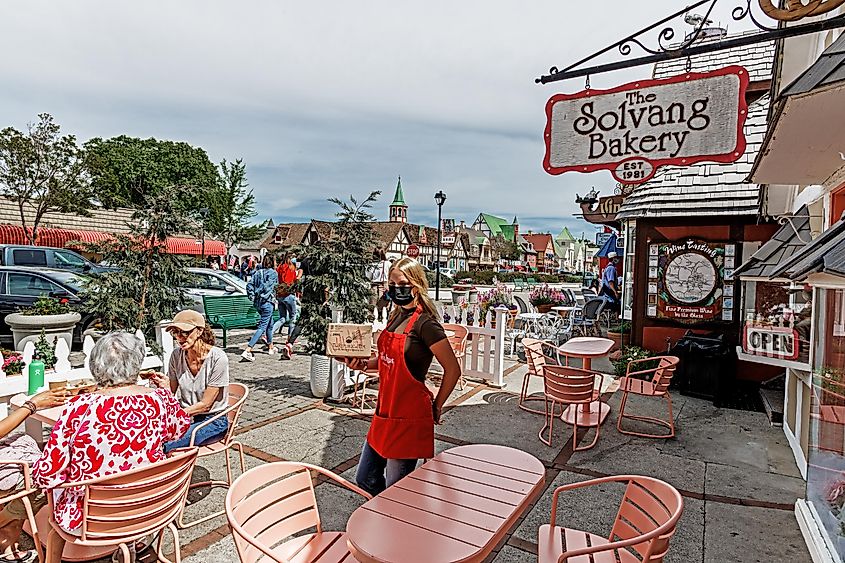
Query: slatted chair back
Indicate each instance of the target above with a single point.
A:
(569, 385)
(534, 356)
(458, 339)
(238, 393)
(268, 504)
(131, 504)
(663, 374)
(649, 505)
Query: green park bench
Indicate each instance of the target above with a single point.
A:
(530, 282)
(519, 284)
(231, 311)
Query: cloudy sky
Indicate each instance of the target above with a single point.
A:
(329, 98)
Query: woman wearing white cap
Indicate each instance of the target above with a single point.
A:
(198, 375)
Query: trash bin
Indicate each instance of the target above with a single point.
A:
(707, 366)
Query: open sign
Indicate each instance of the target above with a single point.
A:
(770, 341)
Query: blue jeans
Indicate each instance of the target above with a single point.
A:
(210, 433)
(287, 315)
(376, 473)
(265, 324)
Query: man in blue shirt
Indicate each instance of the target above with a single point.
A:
(610, 282)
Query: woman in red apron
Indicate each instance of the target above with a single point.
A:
(402, 430)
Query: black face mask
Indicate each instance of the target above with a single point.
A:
(400, 294)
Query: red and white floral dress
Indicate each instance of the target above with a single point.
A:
(98, 435)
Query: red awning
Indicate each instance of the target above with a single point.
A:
(59, 238)
(194, 247)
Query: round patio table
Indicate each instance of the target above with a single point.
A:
(586, 348)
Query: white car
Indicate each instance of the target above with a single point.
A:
(448, 272)
(205, 281)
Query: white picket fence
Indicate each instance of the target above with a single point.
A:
(485, 351)
(11, 385)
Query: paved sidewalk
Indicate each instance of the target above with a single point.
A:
(735, 471)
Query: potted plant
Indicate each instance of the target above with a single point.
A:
(45, 350)
(499, 295)
(52, 316)
(617, 332)
(336, 281)
(545, 297)
(12, 362)
(621, 358)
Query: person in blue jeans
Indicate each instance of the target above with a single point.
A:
(198, 376)
(262, 290)
(288, 314)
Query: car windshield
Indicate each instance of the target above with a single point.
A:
(233, 279)
(74, 281)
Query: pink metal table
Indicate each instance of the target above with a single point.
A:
(586, 348)
(454, 508)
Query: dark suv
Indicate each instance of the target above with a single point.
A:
(47, 257)
(21, 286)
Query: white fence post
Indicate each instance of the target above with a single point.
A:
(62, 357)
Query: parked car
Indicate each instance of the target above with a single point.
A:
(206, 281)
(20, 286)
(48, 257)
(448, 272)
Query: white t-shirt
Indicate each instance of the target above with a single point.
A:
(379, 271)
(214, 372)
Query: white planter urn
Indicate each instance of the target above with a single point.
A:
(26, 328)
(320, 375)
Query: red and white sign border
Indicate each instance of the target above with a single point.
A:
(725, 158)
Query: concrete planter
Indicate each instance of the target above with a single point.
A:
(26, 328)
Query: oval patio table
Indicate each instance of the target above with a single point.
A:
(454, 508)
(586, 348)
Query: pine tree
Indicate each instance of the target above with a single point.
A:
(338, 266)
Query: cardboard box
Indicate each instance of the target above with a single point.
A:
(350, 340)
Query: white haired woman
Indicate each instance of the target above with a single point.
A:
(120, 426)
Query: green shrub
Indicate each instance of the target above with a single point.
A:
(623, 327)
(633, 353)
(445, 281)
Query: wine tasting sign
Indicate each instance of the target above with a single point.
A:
(634, 129)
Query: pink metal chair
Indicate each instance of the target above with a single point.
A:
(270, 510)
(658, 386)
(458, 341)
(645, 522)
(566, 386)
(23, 496)
(536, 359)
(122, 508)
(238, 394)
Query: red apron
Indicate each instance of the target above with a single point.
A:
(403, 424)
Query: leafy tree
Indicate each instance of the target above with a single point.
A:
(505, 249)
(126, 171)
(144, 288)
(231, 205)
(42, 171)
(338, 266)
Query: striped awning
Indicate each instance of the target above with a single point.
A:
(65, 238)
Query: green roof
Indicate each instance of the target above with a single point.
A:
(399, 198)
(565, 235)
(507, 232)
(495, 224)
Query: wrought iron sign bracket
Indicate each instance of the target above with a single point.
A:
(690, 46)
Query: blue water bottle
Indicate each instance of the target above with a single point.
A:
(36, 375)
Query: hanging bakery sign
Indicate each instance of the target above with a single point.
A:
(634, 129)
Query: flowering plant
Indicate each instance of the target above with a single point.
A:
(545, 295)
(13, 363)
(499, 295)
(45, 305)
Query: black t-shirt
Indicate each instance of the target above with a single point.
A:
(426, 332)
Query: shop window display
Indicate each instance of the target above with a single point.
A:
(826, 463)
(630, 229)
(776, 322)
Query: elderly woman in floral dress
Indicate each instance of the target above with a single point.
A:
(120, 426)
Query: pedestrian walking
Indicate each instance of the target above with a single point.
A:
(262, 290)
(377, 274)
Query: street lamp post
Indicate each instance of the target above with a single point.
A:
(204, 214)
(440, 198)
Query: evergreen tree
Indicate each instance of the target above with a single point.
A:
(231, 205)
(145, 287)
(338, 266)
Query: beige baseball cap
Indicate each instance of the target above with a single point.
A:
(187, 320)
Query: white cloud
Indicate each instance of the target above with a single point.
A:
(326, 98)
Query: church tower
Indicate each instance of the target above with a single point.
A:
(399, 209)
